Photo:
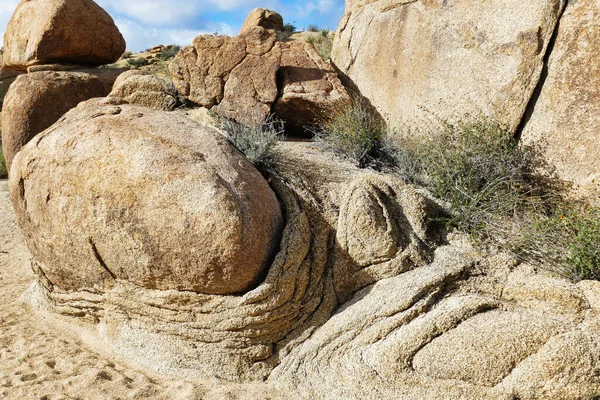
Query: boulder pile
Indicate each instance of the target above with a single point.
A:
(254, 72)
(322, 279)
(51, 40)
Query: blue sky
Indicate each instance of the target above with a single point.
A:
(145, 23)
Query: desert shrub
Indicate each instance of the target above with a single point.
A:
(352, 131)
(475, 166)
(287, 27)
(286, 34)
(126, 55)
(313, 28)
(501, 193)
(254, 136)
(169, 52)
(3, 169)
(565, 239)
(322, 42)
(137, 62)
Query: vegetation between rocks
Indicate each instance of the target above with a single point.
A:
(501, 193)
(322, 42)
(496, 190)
(3, 169)
(254, 136)
(169, 52)
(352, 131)
(286, 34)
(137, 62)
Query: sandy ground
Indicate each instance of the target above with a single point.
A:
(41, 361)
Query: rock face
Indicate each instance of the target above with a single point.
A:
(38, 99)
(236, 76)
(119, 192)
(264, 18)
(566, 115)
(72, 31)
(452, 58)
(145, 90)
(7, 77)
(309, 88)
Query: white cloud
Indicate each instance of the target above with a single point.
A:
(7, 8)
(139, 37)
(176, 12)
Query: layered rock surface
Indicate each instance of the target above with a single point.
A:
(71, 31)
(412, 59)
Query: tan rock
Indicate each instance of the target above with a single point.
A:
(382, 230)
(146, 90)
(238, 76)
(7, 77)
(72, 31)
(415, 58)
(38, 99)
(484, 349)
(201, 72)
(264, 18)
(309, 87)
(152, 198)
(566, 115)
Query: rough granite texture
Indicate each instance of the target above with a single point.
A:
(38, 99)
(417, 60)
(565, 117)
(71, 31)
(128, 193)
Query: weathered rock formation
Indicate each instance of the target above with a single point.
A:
(235, 76)
(118, 192)
(264, 18)
(7, 77)
(71, 31)
(566, 116)
(38, 99)
(449, 57)
(408, 323)
(135, 87)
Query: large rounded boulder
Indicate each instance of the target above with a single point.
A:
(70, 31)
(122, 192)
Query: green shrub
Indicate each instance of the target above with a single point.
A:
(475, 166)
(495, 190)
(169, 52)
(322, 42)
(566, 238)
(352, 131)
(137, 62)
(289, 27)
(254, 136)
(126, 55)
(313, 28)
(3, 169)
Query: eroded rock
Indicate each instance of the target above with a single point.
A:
(146, 90)
(38, 99)
(264, 18)
(415, 58)
(565, 117)
(250, 73)
(127, 193)
(71, 31)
